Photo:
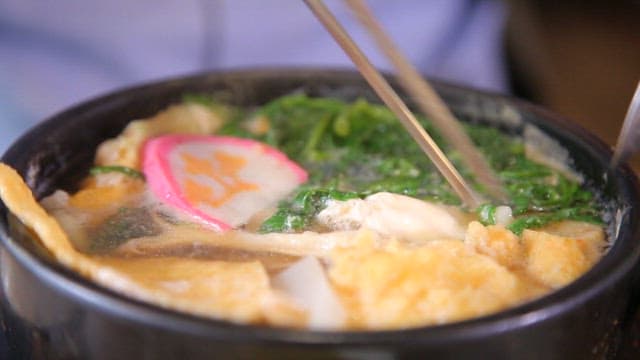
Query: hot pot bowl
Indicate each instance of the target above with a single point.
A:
(49, 311)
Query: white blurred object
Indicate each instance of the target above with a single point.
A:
(393, 215)
(629, 138)
(503, 215)
(305, 281)
(55, 54)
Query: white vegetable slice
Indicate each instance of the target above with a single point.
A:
(306, 282)
(503, 215)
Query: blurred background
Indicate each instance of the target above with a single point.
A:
(578, 58)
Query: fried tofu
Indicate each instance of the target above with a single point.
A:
(557, 260)
(189, 118)
(236, 291)
(497, 242)
(442, 281)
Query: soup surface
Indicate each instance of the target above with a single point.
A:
(312, 213)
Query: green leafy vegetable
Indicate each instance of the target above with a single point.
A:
(298, 213)
(352, 150)
(532, 221)
(125, 224)
(119, 169)
(487, 214)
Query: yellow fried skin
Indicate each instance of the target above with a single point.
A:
(558, 260)
(443, 281)
(396, 286)
(238, 292)
(497, 242)
(382, 284)
(189, 118)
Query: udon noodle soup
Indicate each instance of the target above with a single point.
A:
(312, 213)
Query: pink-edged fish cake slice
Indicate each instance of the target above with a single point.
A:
(220, 180)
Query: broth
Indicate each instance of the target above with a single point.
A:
(311, 212)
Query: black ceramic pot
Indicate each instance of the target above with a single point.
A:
(50, 312)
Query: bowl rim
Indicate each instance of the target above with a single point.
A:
(605, 273)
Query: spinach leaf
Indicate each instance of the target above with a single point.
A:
(298, 213)
(352, 150)
(116, 168)
(125, 224)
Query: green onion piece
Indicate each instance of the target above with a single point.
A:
(117, 168)
(487, 214)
